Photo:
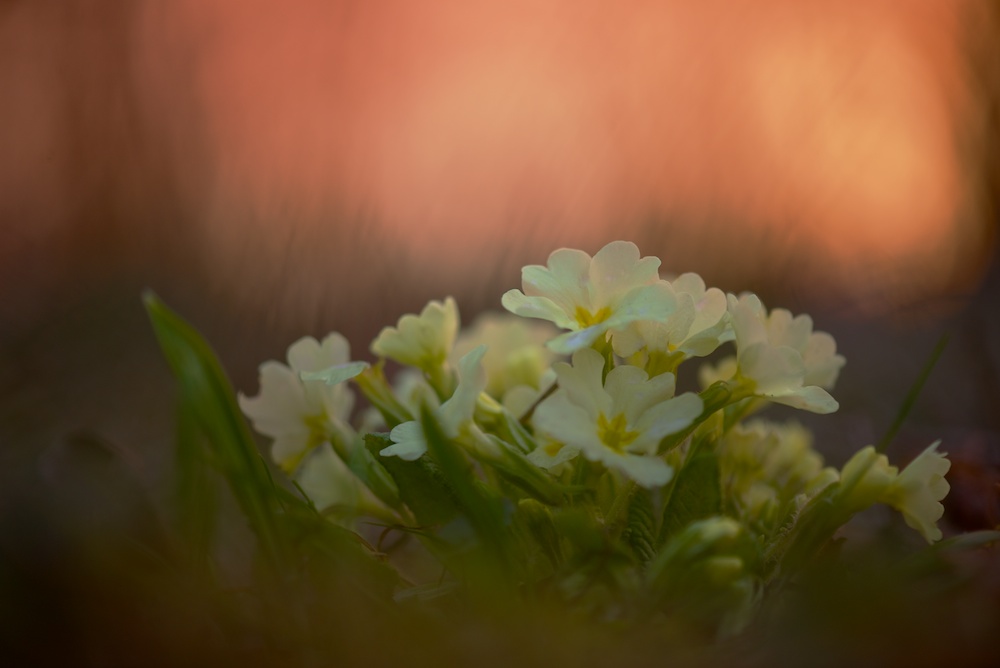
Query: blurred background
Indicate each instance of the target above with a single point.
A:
(280, 170)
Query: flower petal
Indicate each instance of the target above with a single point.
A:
(582, 382)
(537, 307)
(408, 441)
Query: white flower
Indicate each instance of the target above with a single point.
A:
(769, 468)
(515, 351)
(918, 490)
(709, 374)
(591, 296)
(301, 414)
(868, 478)
(864, 479)
(783, 360)
(778, 455)
(619, 422)
(550, 454)
(326, 480)
(695, 328)
(422, 341)
(455, 415)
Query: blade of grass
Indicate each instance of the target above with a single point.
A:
(911, 396)
(209, 401)
(289, 530)
(194, 493)
(484, 513)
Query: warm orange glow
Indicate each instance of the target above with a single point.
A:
(834, 144)
(485, 125)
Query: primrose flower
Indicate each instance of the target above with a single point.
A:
(423, 341)
(766, 466)
(515, 351)
(781, 358)
(779, 455)
(327, 481)
(918, 490)
(695, 328)
(865, 479)
(618, 423)
(301, 414)
(455, 415)
(591, 296)
(868, 478)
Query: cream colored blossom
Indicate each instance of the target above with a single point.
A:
(864, 479)
(696, 327)
(781, 358)
(301, 414)
(868, 478)
(618, 423)
(591, 296)
(918, 490)
(455, 415)
(779, 455)
(515, 351)
(423, 341)
(765, 466)
(327, 482)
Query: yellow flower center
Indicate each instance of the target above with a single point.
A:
(552, 448)
(663, 362)
(586, 318)
(615, 433)
(317, 426)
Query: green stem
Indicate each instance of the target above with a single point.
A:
(615, 519)
(716, 397)
(376, 389)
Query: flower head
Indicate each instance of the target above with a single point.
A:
(779, 455)
(619, 422)
(766, 465)
(695, 328)
(781, 358)
(864, 479)
(423, 341)
(918, 490)
(301, 414)
(515, 354)
(591, 296)
(455, 415)
(327, 481)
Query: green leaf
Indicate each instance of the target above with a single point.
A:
(194, 492)
(911, 396)
(640, 524)
(512, 431)
(483, 511)
(695, 495)
(209, 408)
(327, 550)
(579, 527)
(363, 464)
(936, 562)
(811, 528)
(421, 486)
(291, 534)
(377, 390)
(536, 518)
(515, 469)
(966, 541)
(715, 397)
(704, 575)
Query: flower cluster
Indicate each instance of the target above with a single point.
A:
(523, 430)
